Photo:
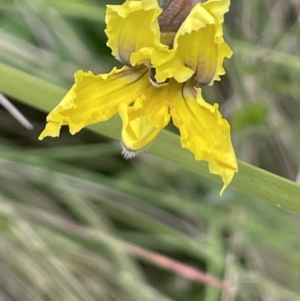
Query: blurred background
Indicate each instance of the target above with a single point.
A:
(80, 223)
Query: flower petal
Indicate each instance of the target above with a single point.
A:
(217, 8)
(203, 131)
(132, 28)
(143, 121)
(94, 98)
(198, 49)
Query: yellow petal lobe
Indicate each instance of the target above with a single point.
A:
(52, 129)
(94, 98)
(203, 131)
(143, 120)
(132, 28)
(198, 50)
(217, 8)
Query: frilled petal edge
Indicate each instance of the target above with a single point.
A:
(217, 8)
(94, 98)
(133, 29)
(198, 50)
(204, 132)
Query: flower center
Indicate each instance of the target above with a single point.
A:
(153, 81)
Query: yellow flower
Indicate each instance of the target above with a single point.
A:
(158, 82)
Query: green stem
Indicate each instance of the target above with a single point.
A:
(251, 180)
